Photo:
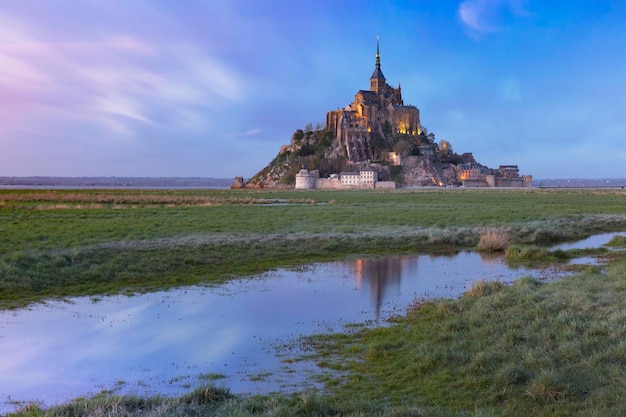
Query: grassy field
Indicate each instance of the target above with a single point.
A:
(529, 349)
(88, 242)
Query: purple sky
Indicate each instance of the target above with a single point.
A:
(214, 88)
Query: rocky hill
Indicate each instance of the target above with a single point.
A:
(378, 131)
(408, 160)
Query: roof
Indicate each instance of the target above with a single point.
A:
(378, 74)
(368, 96)
(402, 106)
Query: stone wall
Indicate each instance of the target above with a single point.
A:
(475, 183)
(510, 182)
(327, 183)
(385, 184)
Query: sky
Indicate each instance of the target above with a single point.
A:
(213, 88)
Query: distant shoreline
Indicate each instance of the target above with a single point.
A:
(38, 182)
(580, 183)
(114, 182)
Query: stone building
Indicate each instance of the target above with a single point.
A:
(508, 176)
(372, 110)
(476, 175)
(471, 172)
(366, 178)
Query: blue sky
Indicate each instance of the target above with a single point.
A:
(214, 88)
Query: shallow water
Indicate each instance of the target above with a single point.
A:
(244, 330)
(594, 241)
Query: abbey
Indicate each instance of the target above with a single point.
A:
(378, 110)
(377, 142)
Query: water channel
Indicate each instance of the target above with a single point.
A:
(167, 342)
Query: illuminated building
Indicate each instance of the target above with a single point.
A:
(371, 113)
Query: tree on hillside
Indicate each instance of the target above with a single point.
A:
(403, 147)
(377, 145)
(387, 129)
(331, 166)
(297, 136)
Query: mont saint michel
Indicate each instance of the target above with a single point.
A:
(377, 141)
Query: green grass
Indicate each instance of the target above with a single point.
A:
(92, 242)
(531, 348)
(528, 349)
(618, 242)
(211, 401)
(535, 254)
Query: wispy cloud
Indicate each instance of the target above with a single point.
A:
(487, 16)
(250, 132)
(111, 83)
(121, 106)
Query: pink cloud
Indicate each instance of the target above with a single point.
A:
(110, 83)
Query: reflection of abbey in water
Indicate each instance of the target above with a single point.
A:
(383, 276)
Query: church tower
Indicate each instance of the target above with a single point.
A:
(377, 80)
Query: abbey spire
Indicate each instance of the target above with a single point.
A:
(377, 80)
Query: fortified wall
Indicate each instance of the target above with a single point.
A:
(364, 179)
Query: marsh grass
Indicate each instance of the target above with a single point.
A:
(618, 241)
(212, 401)
(204, 399)
(493, 241)
(537, 255)
(531, 348)
(97, 199)
(92, 242)
(482, 287)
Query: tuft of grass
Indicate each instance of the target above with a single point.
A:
(513, 375)
(537, 254)
(521, 253)
(618, 241)
(552, 386)
(482, 288)
(493, 241)
(205, 396)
